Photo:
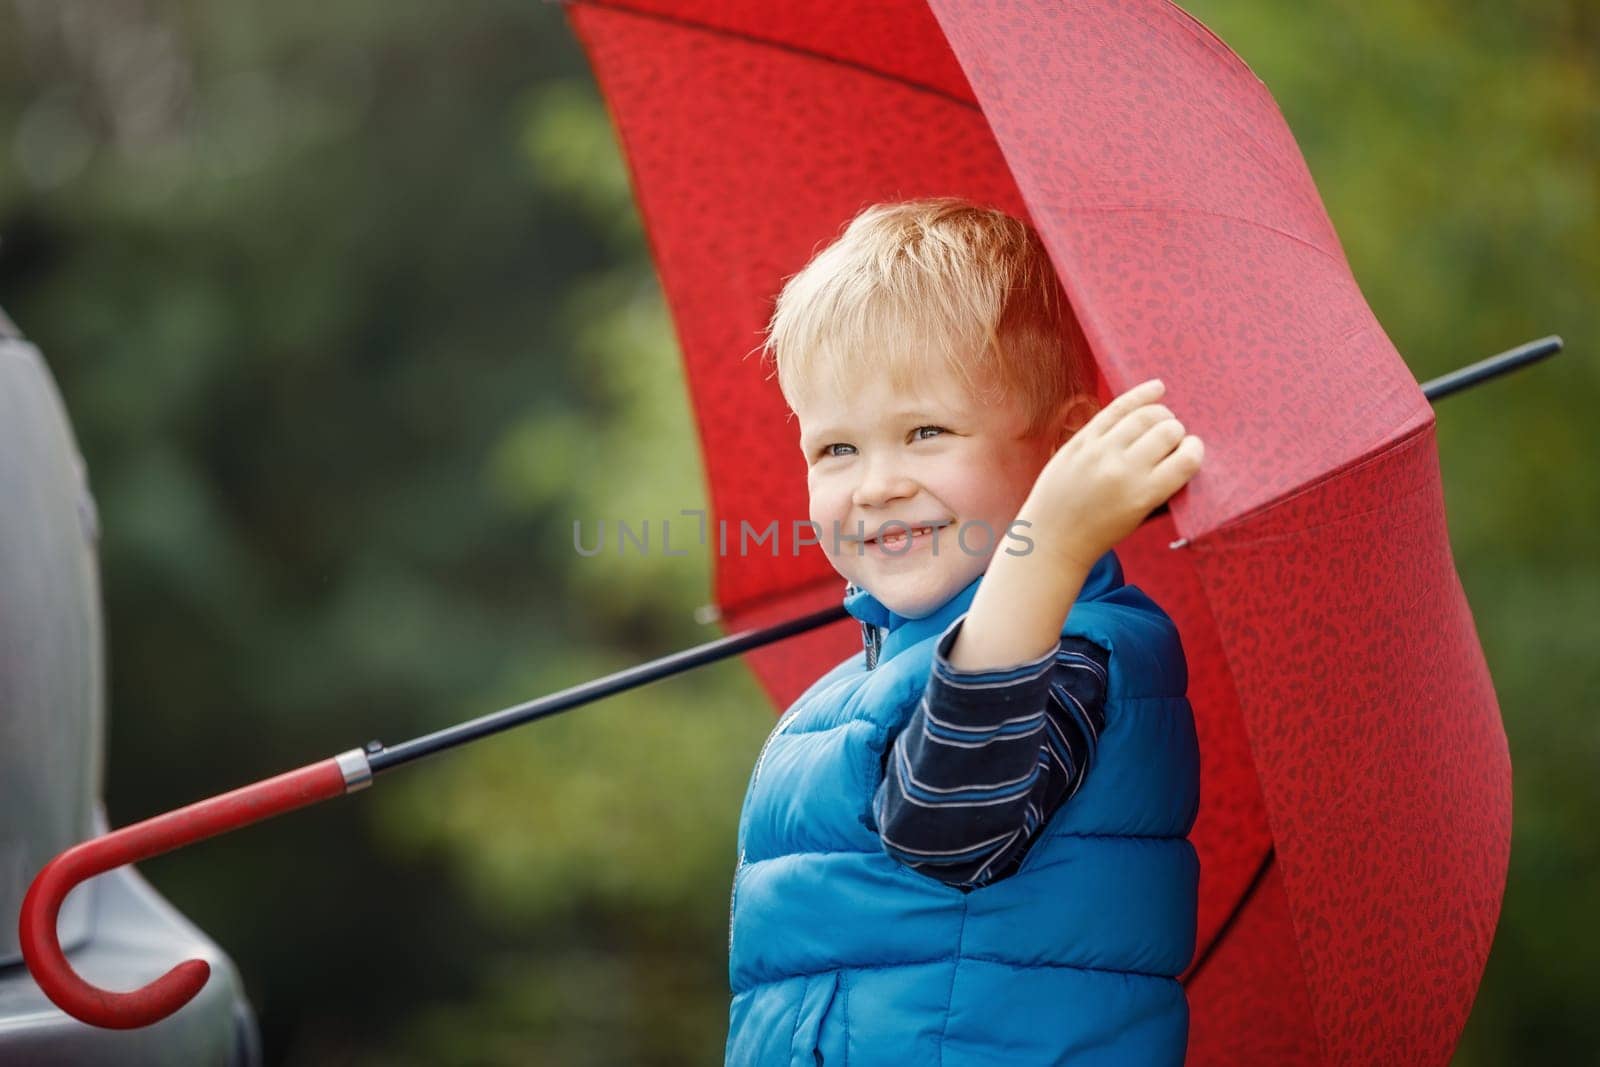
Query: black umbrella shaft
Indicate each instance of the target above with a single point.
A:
(1483, 370)
(382, 759)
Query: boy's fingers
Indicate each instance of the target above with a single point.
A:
(1113, 412)
(1138, 422)
(1152, 438)
(1180, 465)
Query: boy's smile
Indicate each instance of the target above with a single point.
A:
(935, 462)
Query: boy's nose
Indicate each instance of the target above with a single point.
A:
(882, 483)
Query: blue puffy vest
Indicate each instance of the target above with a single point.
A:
(839, 954)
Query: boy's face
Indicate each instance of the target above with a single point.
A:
(934, 457)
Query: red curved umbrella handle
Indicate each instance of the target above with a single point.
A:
(41, 947)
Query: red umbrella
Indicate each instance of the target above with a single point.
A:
(1355, 819)
(1352, 861)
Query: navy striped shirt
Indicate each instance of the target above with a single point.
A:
(987, 758)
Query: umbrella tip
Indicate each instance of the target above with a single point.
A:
(706, 614)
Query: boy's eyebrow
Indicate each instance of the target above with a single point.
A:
(831, 433)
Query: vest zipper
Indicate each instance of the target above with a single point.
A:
(872, 641)
(755, 776)
(871, 636)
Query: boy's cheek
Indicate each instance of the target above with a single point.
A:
(825, 513)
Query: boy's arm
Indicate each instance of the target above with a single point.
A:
(1094, 491)
(987, 758)
(1017, 614)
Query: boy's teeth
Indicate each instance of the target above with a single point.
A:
(899, 535)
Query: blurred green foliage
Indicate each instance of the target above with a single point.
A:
(354, 316)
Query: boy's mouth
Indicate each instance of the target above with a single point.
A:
(894, 535)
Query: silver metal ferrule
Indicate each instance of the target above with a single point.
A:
(356, 770)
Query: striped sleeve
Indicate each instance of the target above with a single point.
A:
(987, 758)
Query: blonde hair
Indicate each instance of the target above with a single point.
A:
(933, 279)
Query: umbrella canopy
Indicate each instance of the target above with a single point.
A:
(1355, 816)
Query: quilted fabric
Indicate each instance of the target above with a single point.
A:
(839, 951)
(1352, 862)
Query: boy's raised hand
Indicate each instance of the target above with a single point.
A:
(1100, 485)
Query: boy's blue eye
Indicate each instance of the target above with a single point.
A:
(829, 451)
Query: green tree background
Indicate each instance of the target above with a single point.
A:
(353, 313)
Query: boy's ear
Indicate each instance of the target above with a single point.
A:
(1075, 413)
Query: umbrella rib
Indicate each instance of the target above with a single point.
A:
(1190, 209)
(1238, 909)
(1379, 452)
(782, 46)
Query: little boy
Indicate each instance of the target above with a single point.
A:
(968, 845)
